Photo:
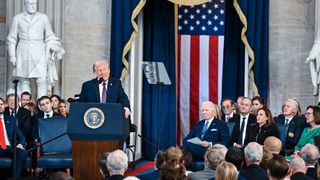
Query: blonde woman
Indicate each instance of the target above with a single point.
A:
(226, 171)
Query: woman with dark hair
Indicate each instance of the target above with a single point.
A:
(257, 103)
(313, 118)
(55, 99)
(264, 127)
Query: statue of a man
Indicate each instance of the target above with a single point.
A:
(314, 62)
(32, 49)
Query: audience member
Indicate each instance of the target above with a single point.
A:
(6, 140)
(294, 125)
(308, 134)
(60, 175)
(235, 156)
(187, 161)
(239, 99)
(23, 115)
(267, 155)
(278, 168)
(240, 137)
(103, 165)
(257, 103)
(32, 107)
(25, 98)
(213, 158)
(55, 99)
(117, 164)
(310, 154)
(159, 159)
(228, 108)
(209, 131)
(298, 169)
(226, 171)
(62, 108)
(273, 144)
(253, 153)
(173, 168)
(217, 112)
(264, 127)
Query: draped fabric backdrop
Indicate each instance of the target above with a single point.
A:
(159, 47)
(252, 16)
(200, 60)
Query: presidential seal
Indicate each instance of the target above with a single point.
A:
(93, 118)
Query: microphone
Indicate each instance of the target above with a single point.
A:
(15, 81)
(100, 80)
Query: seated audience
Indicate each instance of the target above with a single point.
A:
(187, 161)
(278, 168)
(294, 125)
(32, 107)
(298, 169)
(253, 153)
(62, 108)
(217, 112)
(228, 108)
(235, 156)
(264, 127)
(55, 99)
(6, 140)
(209, 131)
(273, 144)
(25, 98)
(173, 168)
(267, 155)
(117, 164)
(226, 171)
(308, 134)
(159, 159)
(257, 103)
(213, 158)
(103, 165)
(310, 154)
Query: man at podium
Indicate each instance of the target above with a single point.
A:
(104, 89)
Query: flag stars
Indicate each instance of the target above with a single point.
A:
(203, 16)
(221, 11)
(185, 22)
(215, 28)
(180, 16)
(191, 16)
(191, 28)
(221, 23)
(204, 5)
(209, 22)
(185, 11)
(215, 17)
(198, 22)
(203, 28)
(216, 6)
(209, 11)
(198, 11)
(179, 28)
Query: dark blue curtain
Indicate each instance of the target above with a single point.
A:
(257, 14)
(159, 46)
(121, 30)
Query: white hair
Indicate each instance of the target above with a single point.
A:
(253, 152)
(294, 103)
(211, 104)
(117, 162)
(297, 164)
(310, 154)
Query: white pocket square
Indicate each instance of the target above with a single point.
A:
(214, 130)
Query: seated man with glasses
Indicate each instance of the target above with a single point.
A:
(228, 109)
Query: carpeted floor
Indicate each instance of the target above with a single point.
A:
(140, 167)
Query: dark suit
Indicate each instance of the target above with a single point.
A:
(257, 134)
(299, 176)
(236, 132)
(217, 133)
(115, 92)
(34, 134)
(233, 119)
(253, 172)
(24, 121)
(21, 154)
(115, 177)
(312, 172)
(153, 175)
(296, 126)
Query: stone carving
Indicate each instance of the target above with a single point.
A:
(33, 49)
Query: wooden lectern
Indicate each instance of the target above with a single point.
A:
(94, 128)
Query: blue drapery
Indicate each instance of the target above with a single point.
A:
(121, 29)
(159, 46)
(257, 15)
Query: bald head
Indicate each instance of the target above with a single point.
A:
(273, 144)
(297, 165)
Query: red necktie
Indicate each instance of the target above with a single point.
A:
(104, 93)
(2, 139)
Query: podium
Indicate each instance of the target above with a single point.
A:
(94, 128)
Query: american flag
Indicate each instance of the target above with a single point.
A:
(200, 60)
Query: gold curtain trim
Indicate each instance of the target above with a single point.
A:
(188, 2)
(247, 45)
(134, 34)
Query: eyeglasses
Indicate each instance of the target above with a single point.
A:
(308, 113)
(226, 107)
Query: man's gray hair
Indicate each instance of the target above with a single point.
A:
(100, 62)
(253, 152)
(310, 154)
(117, 162)
(209, 103)
(297, 164)
(294, 103)
(214, 157)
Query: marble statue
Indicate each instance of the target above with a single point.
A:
(33, 49)
(314, 62)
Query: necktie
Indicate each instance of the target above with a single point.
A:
(286, 122)
(241, 131)
(12, 114)
(204, 129)
(227, 119)
(47, 115)
(2, 139)
(104, 93)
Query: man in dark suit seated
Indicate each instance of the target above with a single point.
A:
(253, 153)
(228, 108)
(278, 168)
(310, 154)
(298, 169)
(243, 122)
(294, 125)
(23, 115)
(6, 140)
(117, 164)
(209, 131)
